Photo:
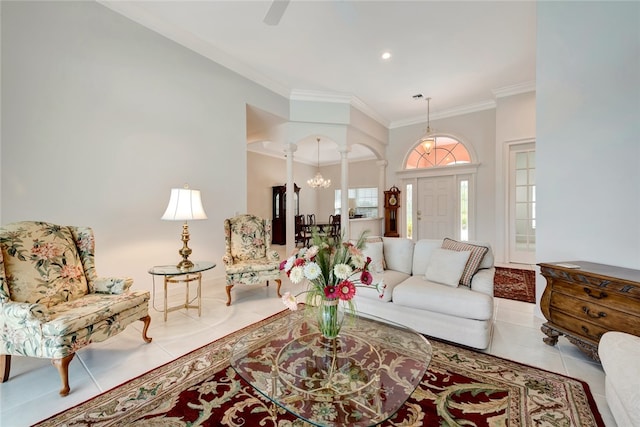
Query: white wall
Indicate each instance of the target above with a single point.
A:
(515, 123)
(101, 117)
(588, 125)
(265, 172)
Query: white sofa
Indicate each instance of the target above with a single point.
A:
(620, 357)
(455, 313)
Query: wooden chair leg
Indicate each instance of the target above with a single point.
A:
(147, 321)
(279, 282)
(63, 368)
(229, 295)
(5, 366)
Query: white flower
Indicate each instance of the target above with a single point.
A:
(297, 274)
(342, 271)
(358, 260)
(312, 271)
(290, 301)
(289, 263)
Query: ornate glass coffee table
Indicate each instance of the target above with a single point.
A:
(361, 378)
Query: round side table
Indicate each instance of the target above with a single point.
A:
(173, 274)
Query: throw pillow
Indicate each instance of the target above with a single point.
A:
(373, 250)
(477, 253)
(446, 266)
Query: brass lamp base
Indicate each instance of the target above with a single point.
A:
(185, 264)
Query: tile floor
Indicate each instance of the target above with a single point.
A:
(31, 394)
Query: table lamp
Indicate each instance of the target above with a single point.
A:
(184, 204)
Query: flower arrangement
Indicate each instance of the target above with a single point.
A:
(333, 269)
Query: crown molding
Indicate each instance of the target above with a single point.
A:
(514, 89)
(451, 112)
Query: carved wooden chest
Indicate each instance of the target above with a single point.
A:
(583, 300)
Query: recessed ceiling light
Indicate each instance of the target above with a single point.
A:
(386, 55)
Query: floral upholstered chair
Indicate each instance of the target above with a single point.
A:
(51, 301)
(248, 257)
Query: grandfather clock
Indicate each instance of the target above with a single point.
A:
(391, 205)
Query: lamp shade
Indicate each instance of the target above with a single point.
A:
(184, 204)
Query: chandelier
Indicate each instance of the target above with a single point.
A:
(428, 142)
(318, 181)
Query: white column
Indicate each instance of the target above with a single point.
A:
(344, 191)
(382, 185)
(289, 149)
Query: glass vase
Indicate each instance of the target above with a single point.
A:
(330, 317)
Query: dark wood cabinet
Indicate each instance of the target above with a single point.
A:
(279, 212)
(585, 302)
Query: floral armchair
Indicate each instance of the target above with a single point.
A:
(51, 301)
(248, 257)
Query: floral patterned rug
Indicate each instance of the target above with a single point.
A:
(461, 388)
(516, 284)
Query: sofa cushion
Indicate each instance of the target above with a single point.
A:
(461, 301)
(473, 263)
(398, 254)
(446, 267)
(74, 315)
(390, 278)
(618, 353)
(422, 254)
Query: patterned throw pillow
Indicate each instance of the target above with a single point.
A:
(477, 253)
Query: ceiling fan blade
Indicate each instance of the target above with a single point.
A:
(275, 12)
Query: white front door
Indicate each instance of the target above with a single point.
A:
(436, 207)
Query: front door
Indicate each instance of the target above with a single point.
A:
(436, 207)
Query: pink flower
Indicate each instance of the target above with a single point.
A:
(282, 264)
(331, 291)
(46, 251)
(366, 278)
(346, 290)
(290, 301)
(71, 272)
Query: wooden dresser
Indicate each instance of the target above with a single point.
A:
(583, 303)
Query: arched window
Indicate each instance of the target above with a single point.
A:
(444, 151)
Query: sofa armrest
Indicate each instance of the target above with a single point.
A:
(273, 255)
(20, 314)
(227, 260)
(482, 281)
(111, 285)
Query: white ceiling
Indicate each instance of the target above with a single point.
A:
(462, 54)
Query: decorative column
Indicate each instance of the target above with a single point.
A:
(344, 192)
(289, 149)
(382, 185)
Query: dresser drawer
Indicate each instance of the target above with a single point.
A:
(578, 326)
(599, 295)
(602, 316)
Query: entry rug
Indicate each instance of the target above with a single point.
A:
(515, 284)
(461, 388)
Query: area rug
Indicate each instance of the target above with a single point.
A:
(460, 388)
(515, 284)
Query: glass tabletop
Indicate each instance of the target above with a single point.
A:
(172, 270)
(361, 378)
